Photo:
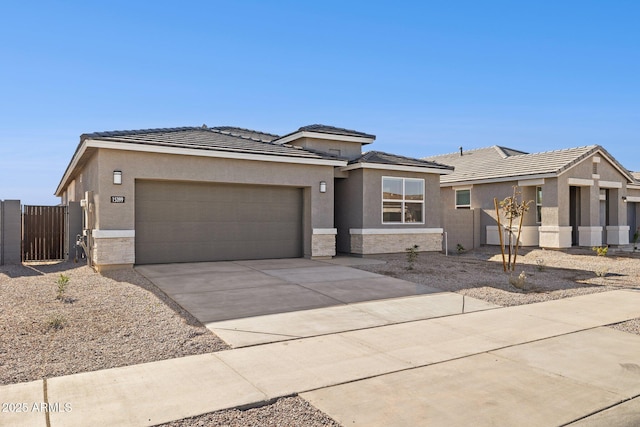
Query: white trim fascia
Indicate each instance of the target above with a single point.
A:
(633, 199)
(396, 231)
(320, 135)
(633, 187)
(71, 168)
(496, 180)
(326, 231)
(401, 168)
(530, 182)
(610, 184)
(212, 153)
(580, 182)
(112, 234)
(89, 143)
(462, 187)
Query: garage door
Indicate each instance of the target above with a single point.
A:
(190, 222)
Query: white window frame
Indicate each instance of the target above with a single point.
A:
(539, 205)
(456, 198)
(402, 201)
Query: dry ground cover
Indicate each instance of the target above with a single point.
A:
(549, 274)
(122, 319)
(103, 322)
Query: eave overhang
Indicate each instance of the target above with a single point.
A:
(399, 168)
(88, 146)
(319, 135)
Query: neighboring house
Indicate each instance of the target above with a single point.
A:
(580, 196)
(225, 193)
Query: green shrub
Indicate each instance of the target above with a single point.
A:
(56, 322)
(412, 255)
(600, 250)
(62, 282)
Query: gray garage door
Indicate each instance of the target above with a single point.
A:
(189, 222)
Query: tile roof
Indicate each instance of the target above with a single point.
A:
(393, 159)
(248, 133)
(331, 130)
(225, 138)
(496, 162)
(334, 130)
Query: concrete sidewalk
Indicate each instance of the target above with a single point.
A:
(541, 364)
(309, 323)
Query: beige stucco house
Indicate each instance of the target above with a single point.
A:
(580, 196)
(204, 194)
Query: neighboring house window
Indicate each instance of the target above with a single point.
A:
(463, 199)
(402, 200)
(539, 205)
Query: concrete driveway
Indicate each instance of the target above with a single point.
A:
(216, 291)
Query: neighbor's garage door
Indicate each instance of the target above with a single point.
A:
(189, 222)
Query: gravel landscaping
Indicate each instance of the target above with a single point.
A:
(288, 411)
(549, 275)
(102, 322)
(120, 318)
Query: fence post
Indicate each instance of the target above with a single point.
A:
(10, 232)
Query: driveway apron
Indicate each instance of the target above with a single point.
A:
(216, 291)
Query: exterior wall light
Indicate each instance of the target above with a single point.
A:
(323, 187)
(117, 177)
(624, 199)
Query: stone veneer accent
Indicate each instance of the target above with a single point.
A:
(113, 251)
(383, 241)
(323, 243)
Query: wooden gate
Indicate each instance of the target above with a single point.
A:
(43, 233)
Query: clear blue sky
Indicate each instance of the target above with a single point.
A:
(426, 77)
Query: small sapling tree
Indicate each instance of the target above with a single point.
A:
(513, 209)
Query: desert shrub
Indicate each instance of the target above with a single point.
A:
(56, 322)
(412, 255)
(600, 250)
(518, 282)
(62, 282)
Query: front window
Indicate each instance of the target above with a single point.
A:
(402, 200)
(539, 205)
(463, 199)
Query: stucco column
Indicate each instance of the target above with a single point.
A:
(555, 231)
(556, 194)
(590, 230)
(618, 228)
